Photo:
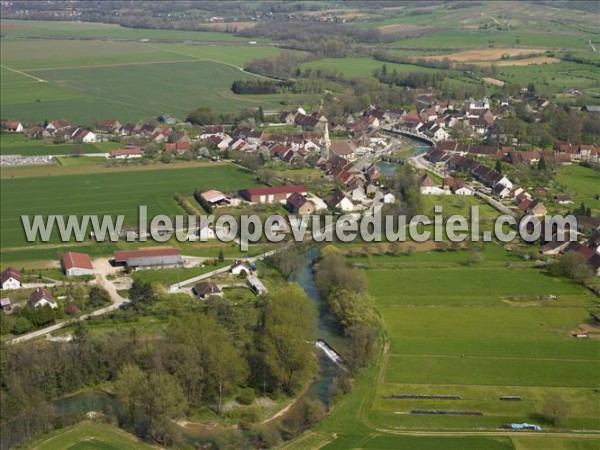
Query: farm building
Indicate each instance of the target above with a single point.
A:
(206, 289)
(11, 279)
(12, 127)
(239, 267)
(271, 194)
(126, 153)
(41, 297)
(256, 285)
(149, 258)
(76, 264)
(215, 198)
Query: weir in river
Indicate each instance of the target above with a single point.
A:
(330, 352)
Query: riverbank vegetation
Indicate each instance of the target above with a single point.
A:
(345, 291)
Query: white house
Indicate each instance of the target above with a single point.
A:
(224, 143)
(358, 194)
(83, 135)
(464, 190)
(205, 233)
(437, 133)
(428, 187)
(501, 190)
(311, 146)
(389, 197)
(506, 182)
(41, 297)
(126, 153)
(339, 200)
(11, 279)
(240, 267)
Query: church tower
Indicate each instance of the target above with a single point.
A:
(326, 143)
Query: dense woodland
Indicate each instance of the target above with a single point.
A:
(267, 352)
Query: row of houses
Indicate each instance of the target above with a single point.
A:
(450, 186)
(436, 119)
(499, 185)
(287, 147)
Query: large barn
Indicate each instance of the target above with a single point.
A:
(150, 258)
(76, 264)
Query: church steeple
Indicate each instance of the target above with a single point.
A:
(326, 142)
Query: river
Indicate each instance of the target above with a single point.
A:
(389, 169)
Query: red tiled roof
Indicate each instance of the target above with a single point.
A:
(39, 294)
(126, 151)
(79, 260)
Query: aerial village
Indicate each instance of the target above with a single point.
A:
(458, 158)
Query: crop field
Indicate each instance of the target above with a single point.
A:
(480, 331)
(361, 66)
(93, 436)
(107, 193)
(89, 80)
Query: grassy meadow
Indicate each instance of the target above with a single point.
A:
(480, 331)
(92, 436)
(582, 183)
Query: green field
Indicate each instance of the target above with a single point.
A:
(361, 66)
(552, 78)
(107, 193)
(88, 30)
(88, 81)
(92, 436)
(582, 183)
(479, 331)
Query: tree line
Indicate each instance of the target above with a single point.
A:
(276, 87)
(345, 290)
